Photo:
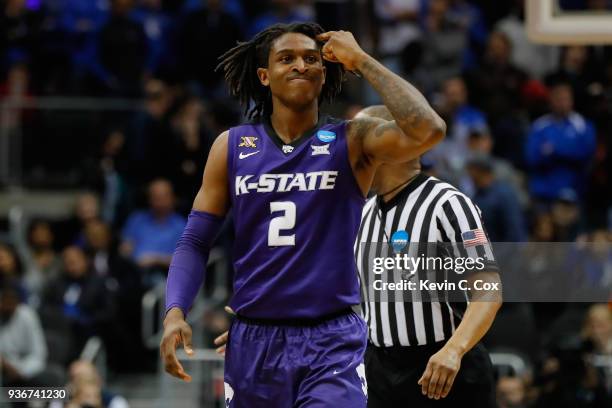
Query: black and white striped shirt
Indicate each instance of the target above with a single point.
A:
(430, 211)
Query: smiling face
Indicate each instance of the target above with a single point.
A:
(295, 72)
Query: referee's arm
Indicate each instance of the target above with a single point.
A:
(458, 216)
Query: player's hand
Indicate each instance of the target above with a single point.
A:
(221, 341)
(440, 373)
(176, 332)
(341, 47)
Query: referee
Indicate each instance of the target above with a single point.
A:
(424, 351)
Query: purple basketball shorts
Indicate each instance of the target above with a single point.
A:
(318, 366)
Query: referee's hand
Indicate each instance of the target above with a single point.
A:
(440, 373)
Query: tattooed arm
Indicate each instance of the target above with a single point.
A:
(415, 127)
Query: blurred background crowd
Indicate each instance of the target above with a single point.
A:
(117, 102)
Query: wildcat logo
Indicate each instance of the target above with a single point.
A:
(229, 394)
(247, 141)
(287, 149)
(362, 378)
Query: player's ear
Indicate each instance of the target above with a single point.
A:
(262, 73)
(324, 73)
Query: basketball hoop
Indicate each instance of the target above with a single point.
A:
(548, 24)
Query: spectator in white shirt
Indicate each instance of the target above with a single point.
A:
(23, 352)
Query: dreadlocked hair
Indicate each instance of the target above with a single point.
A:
(240, 64)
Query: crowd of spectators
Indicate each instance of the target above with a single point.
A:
(529, 131)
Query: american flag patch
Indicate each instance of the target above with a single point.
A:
(474, 237)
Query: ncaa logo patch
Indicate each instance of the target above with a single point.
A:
(399, 240)
(319, 150)
(229, 394)
(326, 136)
(287, 149)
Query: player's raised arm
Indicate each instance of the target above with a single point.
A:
(416, 126)
(188, 265)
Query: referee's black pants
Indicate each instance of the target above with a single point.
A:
(392, 375)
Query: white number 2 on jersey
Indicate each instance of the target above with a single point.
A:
(286, 221)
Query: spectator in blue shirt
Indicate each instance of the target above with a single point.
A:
(498, 203)
(23, 351)
(77, 22)
(462, 119)
(80, 17)
(150, 236)
(559, 148)
(468, 15)
(157, 26)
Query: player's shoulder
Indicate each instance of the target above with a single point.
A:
(218, 153)
(222, 137)
(220, 143)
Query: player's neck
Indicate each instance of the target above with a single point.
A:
(290, 124)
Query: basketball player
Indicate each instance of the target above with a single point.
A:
(296, 182)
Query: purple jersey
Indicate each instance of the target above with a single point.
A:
(296, 211)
